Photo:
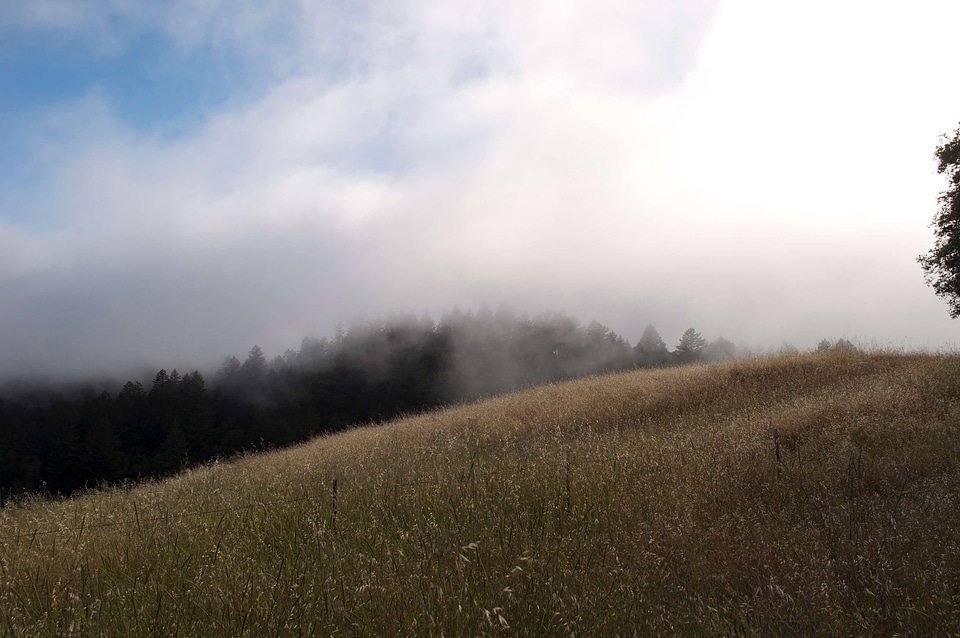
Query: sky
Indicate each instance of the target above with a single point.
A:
(182, 180)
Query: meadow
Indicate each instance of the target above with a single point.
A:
(805, 495)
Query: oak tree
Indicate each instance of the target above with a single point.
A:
(941, 265)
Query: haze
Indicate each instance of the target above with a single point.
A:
(178, 184)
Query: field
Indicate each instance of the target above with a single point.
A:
(807, 495)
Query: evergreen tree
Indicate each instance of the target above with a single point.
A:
(230, 370)
(64, 461)
(843, 344)
(720, 349)
(253, 374)
(197, 417)
(104, 461)
(131, 395)
(314, 353)
(651, 351)
(691, 346)
(172, 455)
(160, 381)
(255, 366)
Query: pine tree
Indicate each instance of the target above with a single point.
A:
(651, 351)
(173, 452)
(104, 458)
(691, 346)
(255, 366)
(720, 349)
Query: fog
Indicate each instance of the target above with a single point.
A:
(757, 173)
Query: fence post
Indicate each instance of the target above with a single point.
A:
(776, 447)
(334, 503)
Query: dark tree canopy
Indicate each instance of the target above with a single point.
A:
(942, 264)
(63, 439)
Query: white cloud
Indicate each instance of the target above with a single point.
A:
(772, 182)
(829, 108)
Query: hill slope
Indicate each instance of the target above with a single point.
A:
(641, 503)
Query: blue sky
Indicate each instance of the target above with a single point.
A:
(139, 84)
(144, 88)
(144, 79)
(180, 180)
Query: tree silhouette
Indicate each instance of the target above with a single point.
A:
(255, 366)
(719, 349)
(651, 351)
(941, 265)
(230, 371)
(172, 455)
(104, 460)
(691, 346)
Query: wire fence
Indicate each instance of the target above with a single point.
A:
(139, 521)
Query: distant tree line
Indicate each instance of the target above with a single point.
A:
(64, 438)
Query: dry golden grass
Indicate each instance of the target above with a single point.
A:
(646, 503)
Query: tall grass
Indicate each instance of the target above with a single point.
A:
(637, 504)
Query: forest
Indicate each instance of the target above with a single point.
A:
(60, 439)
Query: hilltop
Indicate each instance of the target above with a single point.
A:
(61, 438)
(803, 495)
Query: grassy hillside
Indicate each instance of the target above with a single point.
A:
(643, 503)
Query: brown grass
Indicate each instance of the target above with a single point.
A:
(646, 503)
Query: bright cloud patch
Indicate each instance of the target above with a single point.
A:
(757, 172)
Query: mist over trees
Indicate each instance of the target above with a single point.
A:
(60, 439)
